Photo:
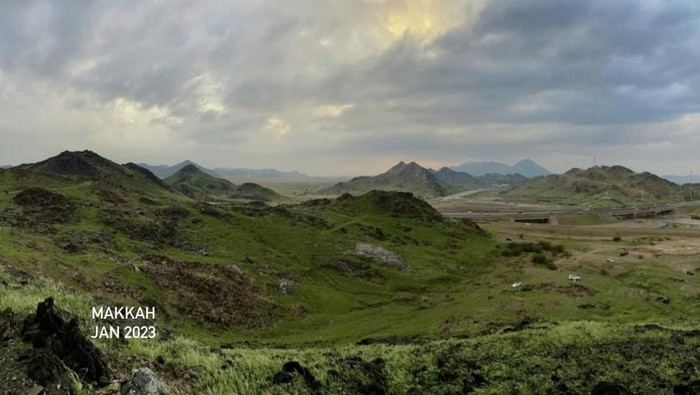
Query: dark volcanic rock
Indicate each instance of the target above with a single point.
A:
(292, 367)
(392, 204)
(46, 368)
(9, 325)
(42, 205)
(471, 225)
(49, 329)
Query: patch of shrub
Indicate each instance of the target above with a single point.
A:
(544, 260)
(517, 249)
(617, 239)
(545, 245)
(539, 258)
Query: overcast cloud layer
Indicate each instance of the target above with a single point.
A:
(351, 87)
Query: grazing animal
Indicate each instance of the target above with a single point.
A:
(610, 260)
(509, 239)
(624, 253)
(516, 284)
(574, 278)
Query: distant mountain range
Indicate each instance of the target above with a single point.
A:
(526, 167)
(602, 185)
(164, 171)
(422, 182)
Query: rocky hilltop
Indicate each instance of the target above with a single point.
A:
(601, 185)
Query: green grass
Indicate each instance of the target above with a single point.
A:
(522, 361)
(458, 287)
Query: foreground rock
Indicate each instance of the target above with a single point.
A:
(58, 333)
(60, 361)
(143, 382)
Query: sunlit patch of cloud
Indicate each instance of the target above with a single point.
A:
(277, 127)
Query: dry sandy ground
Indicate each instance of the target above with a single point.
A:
(622, 230)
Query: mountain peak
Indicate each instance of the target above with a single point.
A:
(398, 166)
(190, 168)
(85, 164)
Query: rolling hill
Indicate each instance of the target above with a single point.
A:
(526, 167)
(600, 186)
(422, 182)
(377, 293)
(406, 177)
(457, 178)
(102, 175)
(193, 182)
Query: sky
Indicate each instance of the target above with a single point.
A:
(349, 87)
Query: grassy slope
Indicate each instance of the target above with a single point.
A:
(460, 286)
(402, 177)
(197, 184)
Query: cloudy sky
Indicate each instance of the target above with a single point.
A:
(346, 87)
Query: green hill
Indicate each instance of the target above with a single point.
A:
(271, 271)
(600, 186)
(406, 177)
(376, 293)
(422, 182)
(193, 182)
(253, 191)
(99, 176)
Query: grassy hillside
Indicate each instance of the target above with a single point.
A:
(291, 267)
(406, 177)
(193, 182)
(600, 186)
(372, 293)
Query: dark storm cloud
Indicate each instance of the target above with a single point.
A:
(555, 73)
(596, 62)
(40, 38)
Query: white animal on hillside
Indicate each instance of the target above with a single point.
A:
(574, 277)
(611, 260)
(516, 284)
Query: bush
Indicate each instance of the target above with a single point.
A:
(617, 239)
(540, 259)
(545, 245)
(558, 249)
(544, 260)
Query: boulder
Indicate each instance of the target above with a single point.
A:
(58, 332)
(382, 256)
(143, 381)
